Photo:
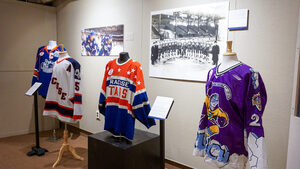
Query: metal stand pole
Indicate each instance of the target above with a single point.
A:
(162, 143)
(36, 119)
(54, 138)
(37, 150)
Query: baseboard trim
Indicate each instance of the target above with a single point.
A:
(15, 133)
(176, 164)
(77, 130)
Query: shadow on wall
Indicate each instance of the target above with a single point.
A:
(45, 123)
(62, 3)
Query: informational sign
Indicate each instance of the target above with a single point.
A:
(33, 88)
(161, 107)
(238, 19)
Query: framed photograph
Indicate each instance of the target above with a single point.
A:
(102, 41)
(187, 42)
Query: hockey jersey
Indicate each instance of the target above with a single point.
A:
(123, 98)
(43, 67)
(64, 98)
(230, 128)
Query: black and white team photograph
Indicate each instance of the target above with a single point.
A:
(186, 42)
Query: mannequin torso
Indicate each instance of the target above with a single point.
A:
(228, 61)
(230, 58)
(51, 44)
(123, 57)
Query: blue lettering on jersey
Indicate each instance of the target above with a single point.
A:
(119, 82)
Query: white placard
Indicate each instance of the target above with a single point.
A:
(33, 88)
(238, 19)
(161, 107)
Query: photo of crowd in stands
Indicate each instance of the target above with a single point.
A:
(102, 41)
(185, 43)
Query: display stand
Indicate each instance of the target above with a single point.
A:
(66, 147)
(160, 110)
(162, 143)
(54, 138)
(36, 150)
(107, 152)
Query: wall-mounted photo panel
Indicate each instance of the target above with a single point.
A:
(186, 42)
(102, 41)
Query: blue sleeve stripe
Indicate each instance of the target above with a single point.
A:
(139, 99)
(102, 98)
(75, 64)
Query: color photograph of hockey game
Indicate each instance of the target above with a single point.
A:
(102, 41)
(186, 43)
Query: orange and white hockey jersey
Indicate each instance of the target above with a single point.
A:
(123, 98)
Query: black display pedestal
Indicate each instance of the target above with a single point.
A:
(36, 150)
(105, 152)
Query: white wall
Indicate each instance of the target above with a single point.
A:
(24, 28)
(72, 17)
(268, 46)
(293, 161)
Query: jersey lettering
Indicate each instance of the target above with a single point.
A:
(124, 93)
(116, 91)
(53, 81)
(77, 86)
(69, 68)
(57, 85)
(63, 96)
(59, 90)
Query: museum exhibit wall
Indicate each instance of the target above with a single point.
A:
(24, 28)
(269, 46)
(294, 135)
(72, 17)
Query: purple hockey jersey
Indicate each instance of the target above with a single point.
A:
(230, 128)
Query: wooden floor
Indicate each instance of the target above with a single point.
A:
(13, 152)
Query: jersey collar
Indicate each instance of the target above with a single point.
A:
(120, 64)
(51, 49)
(226, 70)
(62, 59)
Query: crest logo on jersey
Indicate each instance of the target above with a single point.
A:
(110, 72)
(217, 152)
(215, 115)
(41, 53)
(226, 89)
(254, 78)
(214, 101)
(47, 66)
(256, 101)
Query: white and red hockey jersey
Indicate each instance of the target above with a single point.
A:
(64, 98)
